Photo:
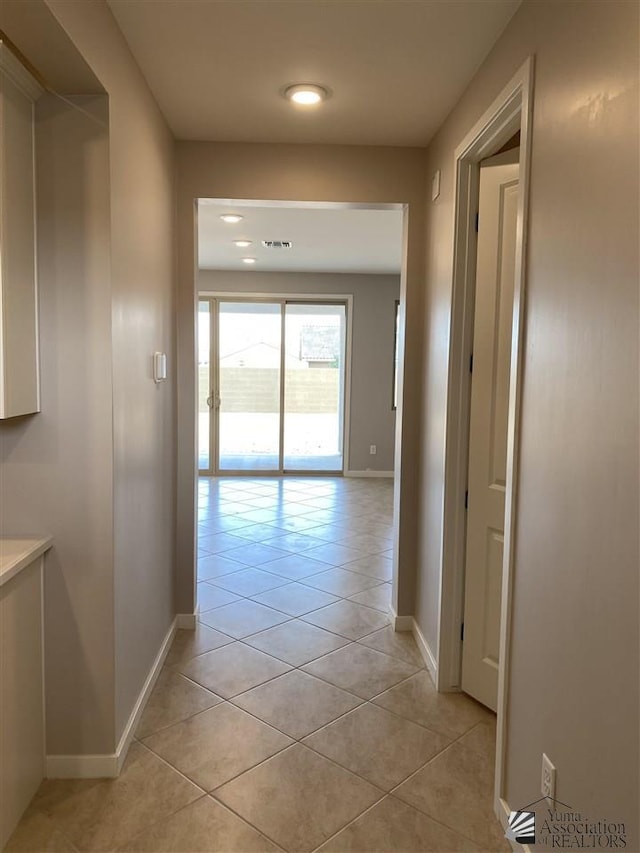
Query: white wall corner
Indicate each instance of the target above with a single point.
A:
(425, 650)
(109, 765)
(368, 473)
(400, 623)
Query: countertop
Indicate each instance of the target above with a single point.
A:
(16, 552)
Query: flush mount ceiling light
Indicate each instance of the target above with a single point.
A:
(248, 260)
(231, 218)
(242, 244)
(306, 94)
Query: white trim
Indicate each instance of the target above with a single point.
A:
(503, 810)
(510, 111)
(187, 621)
(301, 205)
(425, 650)
(369, 473)
(109, 765)
(138, 708)
(82, 766)
(400, 623)
(346, 401)
(265, 296)
(513, 425)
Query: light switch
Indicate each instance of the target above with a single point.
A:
(435, 186)
(159, 366)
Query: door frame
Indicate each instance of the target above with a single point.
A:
(345, 299)
(510, 111)
(213, 380)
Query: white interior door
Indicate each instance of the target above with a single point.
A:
(488, 425)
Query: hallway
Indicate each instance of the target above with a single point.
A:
(294, 718)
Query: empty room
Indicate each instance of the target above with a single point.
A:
(319, 417)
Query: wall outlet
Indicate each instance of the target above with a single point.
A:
(548, 781)
(373, 449)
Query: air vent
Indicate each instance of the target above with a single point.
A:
(277, 244)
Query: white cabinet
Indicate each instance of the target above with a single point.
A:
(19, 379)
(22, 750)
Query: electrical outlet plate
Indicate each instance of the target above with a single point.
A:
(373, 449)
(548, 781)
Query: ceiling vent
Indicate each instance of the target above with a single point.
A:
(277, 244)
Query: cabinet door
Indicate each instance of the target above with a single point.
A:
(21, 695)
(19, 391)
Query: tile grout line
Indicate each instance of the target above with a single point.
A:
(299, 741)
(361, 701)
(393, 791)
(350, 640)
(379, 790)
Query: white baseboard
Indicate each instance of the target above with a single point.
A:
(109, 765)
(187, 621)
(425, 651)
(400, 623)
(502, 811)
(103, 766)
(368, 473)
(408, 623)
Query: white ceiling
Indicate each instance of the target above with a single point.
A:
(396, 67)
(324, 240)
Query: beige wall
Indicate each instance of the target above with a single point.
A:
(574, 668)
(142, 269)
(106, 425)
(372, 420)
(56, 465)
(306, 173)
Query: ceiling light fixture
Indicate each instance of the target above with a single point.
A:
(242, 244)
(248, 260)
(231, 218)
(306, 94)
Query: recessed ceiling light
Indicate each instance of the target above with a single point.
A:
(231, 217)
(306, 94)
(242, 244)
(248, 260)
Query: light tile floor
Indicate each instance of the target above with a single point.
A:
(294, 718)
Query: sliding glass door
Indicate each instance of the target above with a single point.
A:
(249, 356)
(205, 384)
(271, 393)
(314, 386)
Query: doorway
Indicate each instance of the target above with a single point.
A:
(509, 114)
(272, 376)
(493, 310)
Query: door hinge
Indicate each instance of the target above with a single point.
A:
(466, 500)
(462, 632)
(471, 363)
(477, 222)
